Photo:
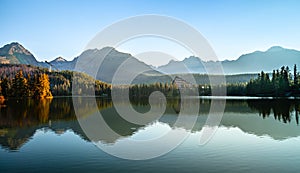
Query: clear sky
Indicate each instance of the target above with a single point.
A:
(51, 28)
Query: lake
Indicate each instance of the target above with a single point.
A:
(255, 135)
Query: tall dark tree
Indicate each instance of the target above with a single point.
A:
(19, 86)
(5, 87)
(295, 75)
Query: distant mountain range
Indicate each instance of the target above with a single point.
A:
(273, 58)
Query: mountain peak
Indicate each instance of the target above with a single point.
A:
(13, 48)
(104, 50)
(59, 59)
(275, 49)
(192, 58)
(15, 53)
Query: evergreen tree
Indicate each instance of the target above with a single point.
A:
(295, 76)
(5, 87)
(30, 81)
(19, 86)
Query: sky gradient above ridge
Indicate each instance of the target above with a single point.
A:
(52, 28)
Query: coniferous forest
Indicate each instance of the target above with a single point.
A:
(22, 81)
(282, 83)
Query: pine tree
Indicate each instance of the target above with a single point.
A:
(19, 86)
(295, 76)
(5, 87)
(30, 83)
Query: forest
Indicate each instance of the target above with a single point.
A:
(21, 81)
(282, 83)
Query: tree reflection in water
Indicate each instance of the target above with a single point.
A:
(20, 119)
(282, 109)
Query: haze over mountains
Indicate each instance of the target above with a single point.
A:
(273, 58)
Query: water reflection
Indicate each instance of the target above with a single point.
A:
(282, 109)
(19, 120)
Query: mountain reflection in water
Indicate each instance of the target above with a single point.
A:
(21, 119)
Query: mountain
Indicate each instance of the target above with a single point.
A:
(15, 53)
(60, 63)
(111, 59)
(273, 58)
(127, 65)
(188, 65)
(59, 60)
(112, 62)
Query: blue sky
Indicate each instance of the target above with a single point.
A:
(52, 28)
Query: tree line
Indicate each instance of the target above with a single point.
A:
(20, 81)
(37, 86)
(27, 81)
(170, 89)
(282, 83)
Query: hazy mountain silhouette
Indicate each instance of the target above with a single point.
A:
(273, 58)
(112, 62)
(60, 63)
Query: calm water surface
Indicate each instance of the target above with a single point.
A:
(255, 135)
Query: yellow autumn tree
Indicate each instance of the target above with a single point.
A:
(42, 87)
